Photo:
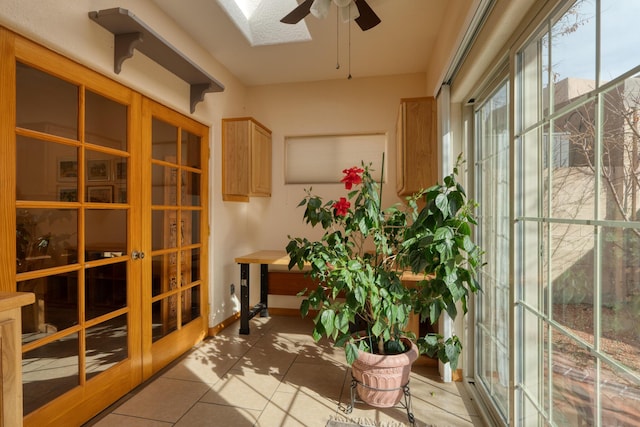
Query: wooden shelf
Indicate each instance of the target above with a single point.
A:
(131, 33)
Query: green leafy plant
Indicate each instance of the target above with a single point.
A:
(360, 301)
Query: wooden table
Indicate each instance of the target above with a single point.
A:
(264, 258)
(273, 257)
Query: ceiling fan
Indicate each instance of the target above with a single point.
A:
(364, 16)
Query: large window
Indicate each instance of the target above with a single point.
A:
(577, 218)
(492, 189)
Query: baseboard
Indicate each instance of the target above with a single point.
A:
(215, 330)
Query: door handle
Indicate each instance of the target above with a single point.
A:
(137, 255)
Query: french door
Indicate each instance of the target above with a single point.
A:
(110, 231)
(174, 232)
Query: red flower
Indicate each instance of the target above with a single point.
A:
(341, 207)
(352, 177)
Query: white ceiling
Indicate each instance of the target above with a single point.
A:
(400, 44)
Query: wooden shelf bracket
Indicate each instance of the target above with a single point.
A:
(131, 33)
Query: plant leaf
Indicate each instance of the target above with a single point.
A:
(327, 320)
(351, 353)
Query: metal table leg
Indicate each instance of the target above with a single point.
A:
(247, 313)
(264, 289)
(244, 299)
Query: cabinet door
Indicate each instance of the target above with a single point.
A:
(417, 145)
(235, 163)
(260, 161)
(246, 159)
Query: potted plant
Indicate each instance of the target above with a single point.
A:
(360, 301)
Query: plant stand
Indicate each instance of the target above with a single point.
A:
(405, 390)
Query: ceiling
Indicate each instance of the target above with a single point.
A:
(402, 43)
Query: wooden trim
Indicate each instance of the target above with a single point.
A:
(7, 161)
(215, 330)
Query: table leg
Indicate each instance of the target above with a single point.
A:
(264, 289)
(244, 299)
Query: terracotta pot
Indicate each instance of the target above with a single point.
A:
(380, 378)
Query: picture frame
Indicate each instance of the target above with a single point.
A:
(67, 169)
(121, 194)
(67, 194)
(120, 170)
(98, 170)
(100, 194)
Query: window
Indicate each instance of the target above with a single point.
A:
(577, 218)
(492, 189)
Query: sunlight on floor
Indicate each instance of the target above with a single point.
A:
(276, 376)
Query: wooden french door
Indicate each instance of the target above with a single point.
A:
(110, 224)
(175, 229)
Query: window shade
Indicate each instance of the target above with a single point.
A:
(320, 159)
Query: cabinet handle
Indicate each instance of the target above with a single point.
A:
(137, 255)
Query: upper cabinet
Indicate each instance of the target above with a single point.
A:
(246, 159)
(416, 142)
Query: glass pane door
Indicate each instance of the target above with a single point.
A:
(72, 227)
(176, 217)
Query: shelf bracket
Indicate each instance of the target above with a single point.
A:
(123, 48)
(131, 33)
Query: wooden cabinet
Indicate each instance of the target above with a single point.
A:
(416, 142)
(246, 159)
(11, 356)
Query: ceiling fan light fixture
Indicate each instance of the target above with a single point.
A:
(320, 8)
(349, 13)
(362, 13)
(342, 3)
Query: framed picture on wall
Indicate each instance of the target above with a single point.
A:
(98, 170)
(121, 194)
(100, 194)
(120, 170)
(67, 169)
(67, 194)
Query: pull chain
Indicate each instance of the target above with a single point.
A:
(349, 24)
(337, 42)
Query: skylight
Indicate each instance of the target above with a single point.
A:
(259, 21)
(248, 7)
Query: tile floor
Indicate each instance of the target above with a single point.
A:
(276, 376)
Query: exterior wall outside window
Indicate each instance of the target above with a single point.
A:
(577, 218)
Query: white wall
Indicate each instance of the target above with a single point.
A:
(340, 106)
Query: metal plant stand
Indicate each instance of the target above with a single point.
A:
(405, 390)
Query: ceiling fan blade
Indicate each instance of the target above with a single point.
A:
(299, 13)
(368, 18)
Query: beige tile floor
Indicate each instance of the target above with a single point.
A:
(276, 376)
